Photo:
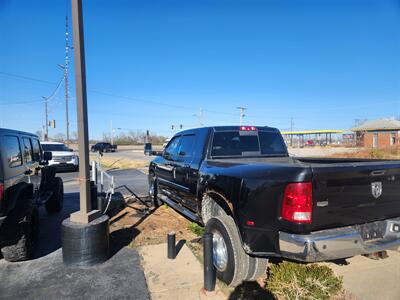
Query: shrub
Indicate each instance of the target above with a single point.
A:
(290, 280)
(196, 229)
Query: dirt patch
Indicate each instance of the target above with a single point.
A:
(137, 226)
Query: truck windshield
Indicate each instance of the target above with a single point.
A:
(258, 143)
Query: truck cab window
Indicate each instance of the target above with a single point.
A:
(13, 151)
(28, 157)
(172, 148)
(186, 147)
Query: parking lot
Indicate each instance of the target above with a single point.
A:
(45, 277)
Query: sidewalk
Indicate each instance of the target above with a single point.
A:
(178, 279)
(369, 279)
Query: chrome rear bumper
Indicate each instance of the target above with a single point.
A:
(337, 243)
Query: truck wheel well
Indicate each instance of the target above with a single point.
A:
(214, 204)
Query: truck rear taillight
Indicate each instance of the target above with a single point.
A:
(297, 202)
(1, 191)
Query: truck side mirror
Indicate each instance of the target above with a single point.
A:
(47, 155)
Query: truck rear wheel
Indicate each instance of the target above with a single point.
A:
(55, 203)
(230, 260)
(22, 244)
(257, 268)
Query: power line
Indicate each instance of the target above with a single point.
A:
(107, 94)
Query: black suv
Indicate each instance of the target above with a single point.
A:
(26, 181)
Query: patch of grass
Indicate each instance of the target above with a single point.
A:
(121, 163)
(290, 280)
(196, 229)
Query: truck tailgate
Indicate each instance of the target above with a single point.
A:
(355, 193)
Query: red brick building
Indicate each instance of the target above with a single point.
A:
(379, 133)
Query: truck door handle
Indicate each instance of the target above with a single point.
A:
(378, 172)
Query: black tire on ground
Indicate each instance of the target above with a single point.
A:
(55, 203)
(155, 201)
(257, 268)
(22, 246)
(237, 260)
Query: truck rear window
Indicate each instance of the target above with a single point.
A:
(258, 143)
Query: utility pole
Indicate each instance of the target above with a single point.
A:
(291, 130)
(66, 76)
(242, 110)
(111, 133)
(200, 118)
(46, 131)
(85, 214)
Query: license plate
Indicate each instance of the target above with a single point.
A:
(372, 231)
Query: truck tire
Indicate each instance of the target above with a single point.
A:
(230, 260)
(23, 244)
(55, 203)
(257, 268)
(153, 191)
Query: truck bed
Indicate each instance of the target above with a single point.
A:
(345, 191)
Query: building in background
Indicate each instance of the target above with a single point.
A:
(379, 133)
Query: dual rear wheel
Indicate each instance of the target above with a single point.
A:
(232, 263)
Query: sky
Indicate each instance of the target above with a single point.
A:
(153, 64)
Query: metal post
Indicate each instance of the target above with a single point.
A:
(209, 269)
(94, 172)
(101, 180)
(85, 214)
(171, 245)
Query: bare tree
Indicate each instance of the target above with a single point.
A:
(59, 137)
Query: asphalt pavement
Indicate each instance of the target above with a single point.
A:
(46, 277)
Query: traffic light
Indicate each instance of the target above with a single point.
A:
(52, 123)
(172, 127)
(181, 126)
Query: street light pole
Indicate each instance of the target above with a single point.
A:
(85, 214)
(242, 110)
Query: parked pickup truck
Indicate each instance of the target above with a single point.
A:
(103, 147)
(259, 202)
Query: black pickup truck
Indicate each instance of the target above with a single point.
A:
(103, 147)
(259, 202)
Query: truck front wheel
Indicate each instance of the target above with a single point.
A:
(230, 260)
(153, 190)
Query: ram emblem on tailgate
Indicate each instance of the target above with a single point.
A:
(376, 188)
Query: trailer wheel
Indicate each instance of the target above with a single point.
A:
(22, 243)
(230, 260)
(55, 203)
